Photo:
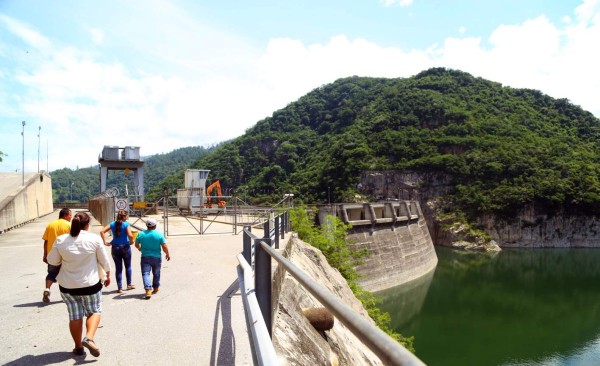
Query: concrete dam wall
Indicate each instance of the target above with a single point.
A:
(24, 198)
(396, 236)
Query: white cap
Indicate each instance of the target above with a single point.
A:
(151, 222)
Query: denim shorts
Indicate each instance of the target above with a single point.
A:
(52, 272)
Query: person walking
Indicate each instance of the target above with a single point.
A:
(54, 229)
(122, 239)
(150, 242)
(81, 253)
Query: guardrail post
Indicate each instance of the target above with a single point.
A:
(262, 279)
(267, 229)
(277, 229)
(284, 225)
(247, 246)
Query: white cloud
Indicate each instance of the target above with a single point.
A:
(28, 34)
(97, 35)
(389, 3)
(217, 85)
(588, 11)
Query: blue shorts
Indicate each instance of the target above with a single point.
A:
(80, 305)
(52, 272)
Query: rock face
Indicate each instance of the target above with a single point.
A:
(527, 228)
(295, 340)
(539, 229)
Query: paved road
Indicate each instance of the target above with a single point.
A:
(196, 319)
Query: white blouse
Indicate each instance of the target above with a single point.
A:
(80, 258)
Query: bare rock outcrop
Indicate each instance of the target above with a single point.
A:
(529, 227)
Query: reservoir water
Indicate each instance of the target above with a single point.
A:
(517, 307)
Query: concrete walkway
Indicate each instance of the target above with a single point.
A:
(196, 319)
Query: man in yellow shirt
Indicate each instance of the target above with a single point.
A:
(54, 230)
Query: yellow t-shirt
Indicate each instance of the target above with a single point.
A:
(55, 229)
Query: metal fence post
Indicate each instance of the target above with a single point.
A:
(277, 222)
(166, 211)
(247, 245)
(235, 213)
(283, 224)
(266, 229)
(262, 279)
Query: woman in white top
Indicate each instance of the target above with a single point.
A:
(80, 252)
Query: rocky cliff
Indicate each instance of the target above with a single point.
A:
(537, 229)
(529, 227)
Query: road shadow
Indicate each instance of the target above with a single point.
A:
(37, 304)
(139, 296)
(49, 359)
(226, 355)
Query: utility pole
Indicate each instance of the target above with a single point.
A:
(23, 158)
(39, 132)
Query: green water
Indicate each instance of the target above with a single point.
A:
(519, 307)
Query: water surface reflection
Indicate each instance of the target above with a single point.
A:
(519, 307)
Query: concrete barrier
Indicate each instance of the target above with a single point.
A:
(21, 203)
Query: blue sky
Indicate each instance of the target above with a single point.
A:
(166, 74)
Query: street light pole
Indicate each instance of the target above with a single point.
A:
(23, 159)
(39, 132)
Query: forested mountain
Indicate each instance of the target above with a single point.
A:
(86, 181)
(505, 147)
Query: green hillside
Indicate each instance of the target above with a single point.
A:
(505, 147)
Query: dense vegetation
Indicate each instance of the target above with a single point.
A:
(331, 240)
(504, 147)
(86, 181)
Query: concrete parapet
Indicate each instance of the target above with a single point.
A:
(396, 236)
(21, 203)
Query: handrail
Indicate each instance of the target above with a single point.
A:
(387, 349)
(263, 350)
(257, 254)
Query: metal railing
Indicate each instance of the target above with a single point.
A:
(256, 257)
(258, 309)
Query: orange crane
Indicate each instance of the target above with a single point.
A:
(220, 203)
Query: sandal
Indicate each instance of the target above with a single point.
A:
(91, 345)
(79, 351)
(131, 287)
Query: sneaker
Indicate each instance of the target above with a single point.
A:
(79, 351)
(155, 290)
(148, 294)
(46, 297)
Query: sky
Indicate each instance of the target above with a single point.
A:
(165, 74)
